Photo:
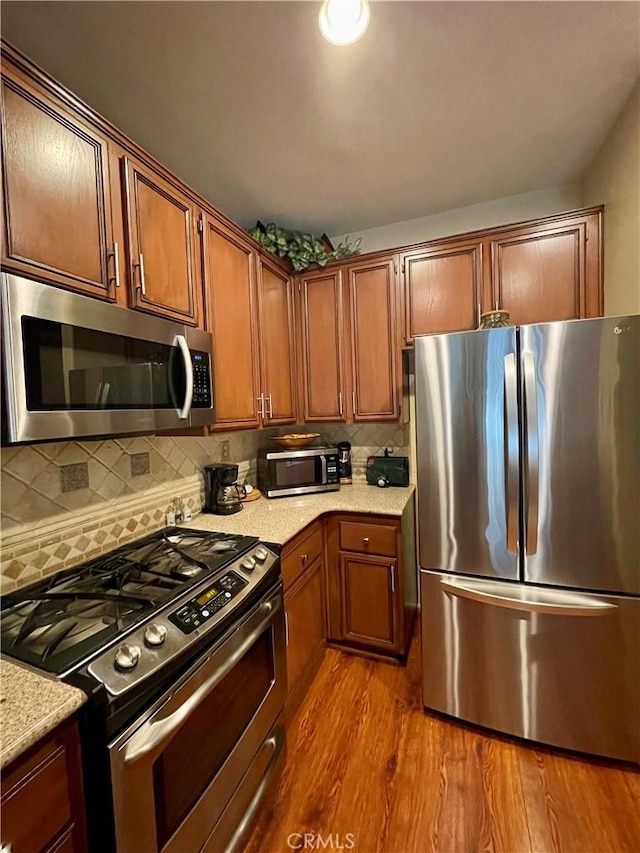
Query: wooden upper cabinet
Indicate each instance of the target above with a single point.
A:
(540, 277)
(442, 289)
(161, 226)
(375, 348)
(230, 294)
(57, 205)
(277, 357)
(550, 272)
(322, 347)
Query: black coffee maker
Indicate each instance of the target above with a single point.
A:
(223, 494)
(344, 461)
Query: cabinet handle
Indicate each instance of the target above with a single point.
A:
(365, 539)
(260, 400)
(340, 401)
(286, 629)
(479, 315)
(353, 401)
(270, 412)
(304, 557)
(393, 578)
(140, 265)
(116, 264)
(497, 306)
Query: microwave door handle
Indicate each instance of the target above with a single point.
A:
(104, 396)
(181, 341)
(323, 466)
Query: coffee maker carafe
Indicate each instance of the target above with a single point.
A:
(223, 494)
(344, 461)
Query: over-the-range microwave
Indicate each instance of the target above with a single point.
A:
(298, 472)
(75, 366)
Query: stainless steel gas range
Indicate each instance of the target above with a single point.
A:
(178, 639)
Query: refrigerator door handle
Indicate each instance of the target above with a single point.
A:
(545, 601)
(511, 483)
(532, 455)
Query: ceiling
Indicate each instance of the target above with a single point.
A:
(439, 105)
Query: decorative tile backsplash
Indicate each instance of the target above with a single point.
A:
(65, 502)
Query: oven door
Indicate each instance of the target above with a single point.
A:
(77, 367)
(204, 754)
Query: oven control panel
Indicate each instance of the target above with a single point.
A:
(196, 612)
(207, 608)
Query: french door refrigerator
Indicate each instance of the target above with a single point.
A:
(528, 445)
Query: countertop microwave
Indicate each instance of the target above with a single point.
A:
(75, 366)
(298, 472)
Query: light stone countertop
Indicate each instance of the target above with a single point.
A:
(31, 705)
(280, 519)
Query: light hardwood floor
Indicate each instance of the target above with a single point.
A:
(364, 758)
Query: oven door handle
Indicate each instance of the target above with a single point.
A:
(153, 734)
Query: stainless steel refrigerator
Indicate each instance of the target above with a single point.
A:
(528, 445)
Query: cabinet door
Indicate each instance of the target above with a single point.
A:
(161, 226)
(369, 602)
(277, 358)
(442, 289)
(304, 608)
(322, 330)
(229, 275)
(57, 205)
(539, 276)
(375, 348)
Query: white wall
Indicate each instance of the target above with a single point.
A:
(487, 214)
(614, 179)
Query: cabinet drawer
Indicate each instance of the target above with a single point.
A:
(44, 791)
(366, 538)
(301, 553)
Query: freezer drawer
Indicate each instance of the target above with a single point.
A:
(554, 666)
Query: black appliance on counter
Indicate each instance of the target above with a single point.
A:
(387, 470)
(344, 462)
(178, 640)
(223, 495)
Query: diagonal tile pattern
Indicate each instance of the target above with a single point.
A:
(45, 528)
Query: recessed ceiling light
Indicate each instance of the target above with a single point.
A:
(344, 21)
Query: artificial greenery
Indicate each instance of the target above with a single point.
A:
(301, 249)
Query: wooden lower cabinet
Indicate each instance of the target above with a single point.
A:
(371, 581)
(303, 578)
(304, 610)
(368, 598)
(42, 801)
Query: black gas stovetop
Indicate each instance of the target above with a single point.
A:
(56, 624)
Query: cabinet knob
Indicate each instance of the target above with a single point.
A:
(365, 539)
(304, 557)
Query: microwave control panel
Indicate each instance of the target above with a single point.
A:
(201, 380)
(332, 468)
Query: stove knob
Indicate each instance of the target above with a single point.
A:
(261, 554)
(155, 635)
(127, 657)
(248, 564)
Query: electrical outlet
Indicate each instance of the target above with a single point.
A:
(224, 450)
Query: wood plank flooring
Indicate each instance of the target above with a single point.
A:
(365, 759)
